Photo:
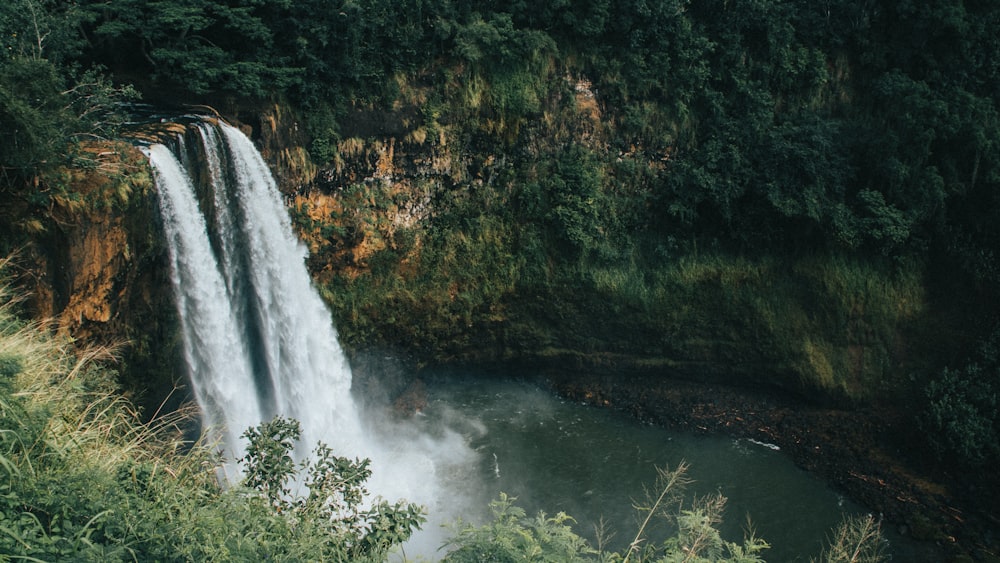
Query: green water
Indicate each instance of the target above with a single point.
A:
(555, 455)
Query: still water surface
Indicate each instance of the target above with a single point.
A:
(559, 456)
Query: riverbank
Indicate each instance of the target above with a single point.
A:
(863, 453)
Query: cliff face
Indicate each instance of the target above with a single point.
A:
(413, 241)
(96, 268)
(422, 238)
(93, 263)
(84, 257)
(406, 245)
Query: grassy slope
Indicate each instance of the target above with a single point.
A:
(82, 478)
(460, 246)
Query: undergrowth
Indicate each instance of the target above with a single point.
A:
(82, 478)
(689, 534)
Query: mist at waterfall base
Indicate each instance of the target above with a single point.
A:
(259, 342)
(592, 463)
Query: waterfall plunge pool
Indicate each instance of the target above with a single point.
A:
(555, 455)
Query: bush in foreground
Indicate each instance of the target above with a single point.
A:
(512, 536)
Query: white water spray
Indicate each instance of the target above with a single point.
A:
(258, 340)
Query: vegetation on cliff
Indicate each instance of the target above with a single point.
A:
(789, 193)
(50, 104)
(856, 126)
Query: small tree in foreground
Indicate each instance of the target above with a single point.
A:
(858, 539)
(696, 538)
(336, 503)
(512, 536)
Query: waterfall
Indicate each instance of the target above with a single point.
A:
(257, 338)
(208, 326)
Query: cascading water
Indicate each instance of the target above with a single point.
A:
(257, 337)
(258, 340)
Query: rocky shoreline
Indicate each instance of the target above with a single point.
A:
(862, 452)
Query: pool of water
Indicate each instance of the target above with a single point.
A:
(560, 456)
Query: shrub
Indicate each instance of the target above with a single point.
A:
(512, 536)
(962, 412)
(334, 508)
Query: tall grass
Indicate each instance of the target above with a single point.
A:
(65, 434)
(83, 478)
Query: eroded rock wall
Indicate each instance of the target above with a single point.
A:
(407, 243)
(95, 269)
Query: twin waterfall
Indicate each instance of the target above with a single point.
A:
(259, 341)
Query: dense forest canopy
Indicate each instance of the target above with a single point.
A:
(858, 128)
(863, 125)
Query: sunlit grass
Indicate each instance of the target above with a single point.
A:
(837, 324)
(66, 432)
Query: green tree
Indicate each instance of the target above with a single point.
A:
(961, 416)
(194, 46)
(335, 503)
(32, 126)
(48, 103)
(41, 29)
(566, 201)
(857, 539)
(511, 536)
(696, 538)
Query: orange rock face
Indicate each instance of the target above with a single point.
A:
(81, 269)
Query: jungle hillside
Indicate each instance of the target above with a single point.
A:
(789, 197)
